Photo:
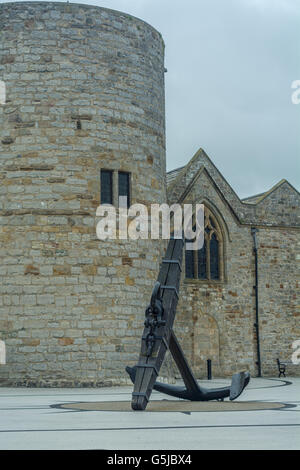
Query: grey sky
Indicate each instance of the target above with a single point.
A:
(228, 86)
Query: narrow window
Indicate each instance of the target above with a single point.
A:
(124, 185)
(206, 263)
(202, 273)
(214, 257)
(106, 187)
(189, 264)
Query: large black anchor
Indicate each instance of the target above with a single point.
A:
(160, 316)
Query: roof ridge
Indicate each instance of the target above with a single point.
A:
(175, 169)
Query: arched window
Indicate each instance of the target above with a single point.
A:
(207, 263)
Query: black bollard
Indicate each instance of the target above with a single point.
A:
(208, 369)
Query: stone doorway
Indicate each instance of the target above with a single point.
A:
(205, 345)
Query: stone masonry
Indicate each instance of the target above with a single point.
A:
(215, 320)
(85, 92)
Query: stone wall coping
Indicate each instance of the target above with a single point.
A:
(70, 6)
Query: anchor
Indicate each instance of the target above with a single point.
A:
(158, 336)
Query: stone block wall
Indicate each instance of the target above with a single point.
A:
(215, 319)
(85, 91)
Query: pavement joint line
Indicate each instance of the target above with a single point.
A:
(151, 428)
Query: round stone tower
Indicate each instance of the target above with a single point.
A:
(83, 121)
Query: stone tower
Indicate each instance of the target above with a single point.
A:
(84, 94)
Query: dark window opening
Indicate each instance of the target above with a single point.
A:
(202, 273)
(206, 263)
(124, 185)
(214, 257)
(189, 264)
(106, 187)
(78, 125)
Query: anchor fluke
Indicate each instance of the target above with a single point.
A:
(238, 382)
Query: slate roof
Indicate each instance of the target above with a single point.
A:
(171, 175)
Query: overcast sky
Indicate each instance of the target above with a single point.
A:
(230, 66)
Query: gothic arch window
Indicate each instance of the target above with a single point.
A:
(207, 263)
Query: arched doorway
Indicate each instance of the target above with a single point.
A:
(205, 345)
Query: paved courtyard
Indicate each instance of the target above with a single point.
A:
(28, 420)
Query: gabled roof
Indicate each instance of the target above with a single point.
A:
(252, 199)
(256, 199)
(262, 209)
(184, 176)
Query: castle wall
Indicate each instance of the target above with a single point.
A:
(85, 91)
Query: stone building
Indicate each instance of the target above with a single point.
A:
(219, 306)
(83, 123)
